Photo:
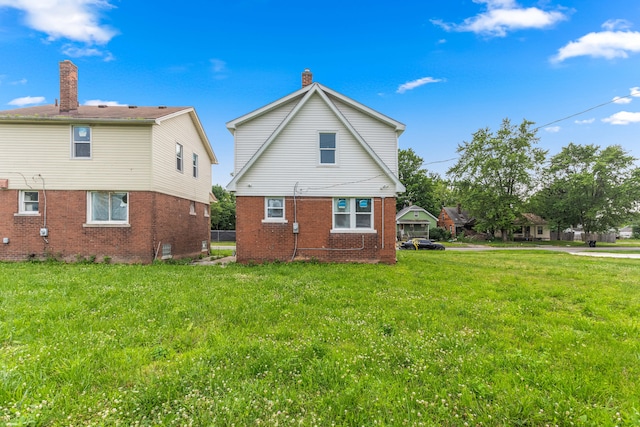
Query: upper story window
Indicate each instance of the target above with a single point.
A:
(195, 165)
(179, 157)
(29, 202)
(327, 148)
(108, 207)
(274, 208)
(81, 142)
(352, 213)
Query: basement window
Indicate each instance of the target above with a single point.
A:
(29, 203)
(166, 251)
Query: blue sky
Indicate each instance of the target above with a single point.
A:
(445, 68)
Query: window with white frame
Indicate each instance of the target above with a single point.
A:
(192, 208)
(352, 213)
(29, 202)
(540, 230)
(179, 157)
(106, 207)
(195, 165)
(81, 142)
(327, 148)
(274, 208)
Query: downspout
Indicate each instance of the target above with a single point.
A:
(382, 222)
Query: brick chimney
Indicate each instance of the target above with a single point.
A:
(68, 86)
(307, 77)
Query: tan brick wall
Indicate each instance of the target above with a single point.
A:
(154, 218)
(257, 241)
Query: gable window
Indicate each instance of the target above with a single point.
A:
(327, 148)
(352, 213)
(274, 208)
(195, 165)
(108, 207)
(29, 202)
(81, 144)
(179, 157)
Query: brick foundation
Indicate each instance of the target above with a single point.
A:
(154, 219)
(258, 241)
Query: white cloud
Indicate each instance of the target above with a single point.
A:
(503, 16)
(553, 129)
(585, 121)
(76, 20)
(620, 100)
(96, 102)
(623, 118)
(635, 92)
(417, 83)
(77, 52)
(606, 44)
(617, 24)
(27, 100)
(219, 68)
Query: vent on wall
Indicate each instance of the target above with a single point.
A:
(166, 251)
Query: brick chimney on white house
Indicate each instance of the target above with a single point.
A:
(307, 77)
(68, 86)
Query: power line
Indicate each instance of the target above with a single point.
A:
(550, 123)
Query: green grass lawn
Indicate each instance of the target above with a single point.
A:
(441, 339)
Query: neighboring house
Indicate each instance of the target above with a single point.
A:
(126, 183)
(626, 232)
(455, 220)
(316, 177)
(529, 226)
(414, 221)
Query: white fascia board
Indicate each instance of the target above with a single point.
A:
(232, 185)
(233, 124)
(199, 128)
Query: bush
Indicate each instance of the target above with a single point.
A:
(439, 234)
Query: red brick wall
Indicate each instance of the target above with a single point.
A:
(153, 218)
(258, 242)
(445, 222)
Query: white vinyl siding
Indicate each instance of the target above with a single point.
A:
(120, 156)
(165, 178)
(293, 157)
(382, 138)
(254, 133)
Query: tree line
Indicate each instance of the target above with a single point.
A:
(500, 175)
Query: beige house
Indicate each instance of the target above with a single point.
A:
(129, 183)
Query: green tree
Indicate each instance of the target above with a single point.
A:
(425, 189)
(223, 213)
(589, 186)
(495, 172)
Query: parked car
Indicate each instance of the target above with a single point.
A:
(415, 244)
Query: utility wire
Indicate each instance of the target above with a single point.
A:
(550, 123)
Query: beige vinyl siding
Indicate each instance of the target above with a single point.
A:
(119, 157)
(165, 177)
(294, 157)
(381, 137)
(256, 132)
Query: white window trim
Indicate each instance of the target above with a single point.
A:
(109, 223)
(180, 156)
(192, 208)
(73, 142)
(335, 150)
(195, 169)
(21, 204)
(352, 214)
(282, 220)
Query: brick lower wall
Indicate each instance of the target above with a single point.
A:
(153, 218)
(258, 241)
